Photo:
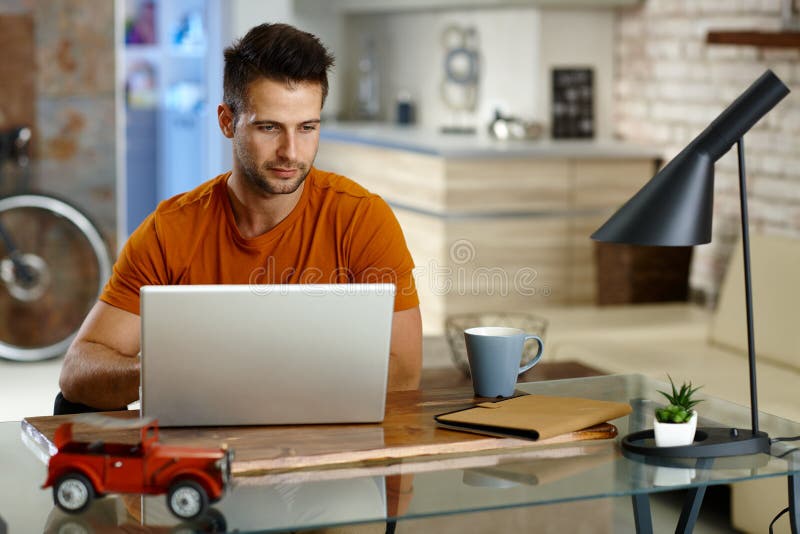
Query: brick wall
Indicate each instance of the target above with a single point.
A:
(74, 154)
(669, 84)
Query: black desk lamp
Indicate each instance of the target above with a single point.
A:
(675, 209)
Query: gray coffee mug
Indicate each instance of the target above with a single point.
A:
(494, 354)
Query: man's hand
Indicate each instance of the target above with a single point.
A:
(405, 361)
(101, 368)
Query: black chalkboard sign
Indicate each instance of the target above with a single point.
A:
(573, 103)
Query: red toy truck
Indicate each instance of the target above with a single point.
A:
(79, 471)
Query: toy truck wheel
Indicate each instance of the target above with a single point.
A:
(73, 493)
(187, 499)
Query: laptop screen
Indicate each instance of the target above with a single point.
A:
(269, 354)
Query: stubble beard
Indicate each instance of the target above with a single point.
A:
(257, 176)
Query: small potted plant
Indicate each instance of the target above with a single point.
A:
(675, 424)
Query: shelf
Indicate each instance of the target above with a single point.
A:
(766, 39)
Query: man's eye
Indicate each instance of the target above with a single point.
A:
(268, 127)
(309, 127)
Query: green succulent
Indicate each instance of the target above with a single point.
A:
(681, 403)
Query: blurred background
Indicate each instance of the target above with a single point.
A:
(570, 106)
(121, 96)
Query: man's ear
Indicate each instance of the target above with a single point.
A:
(226, 120)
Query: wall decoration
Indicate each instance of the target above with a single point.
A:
(572, 107)
(459, 88)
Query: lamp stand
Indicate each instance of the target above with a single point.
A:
(712, 442)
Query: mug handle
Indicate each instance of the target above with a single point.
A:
(536, 358)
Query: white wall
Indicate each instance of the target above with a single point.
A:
(580, 38)
(411, 58)
(518, 46)
(244, 14)
(325, 23)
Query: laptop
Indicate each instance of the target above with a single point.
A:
(215, 355)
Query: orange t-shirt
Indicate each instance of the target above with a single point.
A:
(338, 233)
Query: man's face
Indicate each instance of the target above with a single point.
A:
(276, 135)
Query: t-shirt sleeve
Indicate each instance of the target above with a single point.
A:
(379, 253)
(140, 263)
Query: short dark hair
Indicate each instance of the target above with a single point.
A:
(278, 52)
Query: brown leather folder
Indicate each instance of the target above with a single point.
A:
(533, 416)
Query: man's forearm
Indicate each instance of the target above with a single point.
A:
(98, 376)
(405, 359)
(404, 372)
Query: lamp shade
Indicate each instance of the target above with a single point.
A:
(675, 207)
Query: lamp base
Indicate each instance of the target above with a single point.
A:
(709, 442)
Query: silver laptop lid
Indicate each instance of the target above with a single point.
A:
(268, 354)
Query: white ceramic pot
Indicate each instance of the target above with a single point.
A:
(675, 434)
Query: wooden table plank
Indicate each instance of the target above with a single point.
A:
(408, 432)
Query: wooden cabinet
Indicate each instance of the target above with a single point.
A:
(489, 232)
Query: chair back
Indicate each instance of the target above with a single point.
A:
(775, 271)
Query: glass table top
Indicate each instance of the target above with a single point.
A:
(416, 489)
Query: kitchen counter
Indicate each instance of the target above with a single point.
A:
(479, 145)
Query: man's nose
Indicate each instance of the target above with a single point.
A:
(287, 148)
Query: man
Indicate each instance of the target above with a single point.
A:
(272, 219)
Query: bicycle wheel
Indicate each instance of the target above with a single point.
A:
(69, 263)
